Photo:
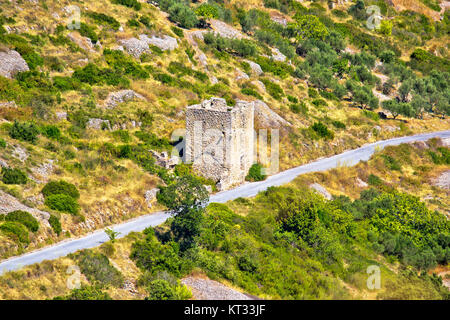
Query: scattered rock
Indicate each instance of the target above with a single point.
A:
(225, 30)
(130, 287)
(98, 124)
(11, 63)
(277, 55)
(164, 43)
(3, 164)
(163, 159)
(37, 200)
(321, 190)
(361, 183)
(136, 47)
(206, 289)
(44, 170)
(150, 196)
(20, 153)
(267, 118)
(61, 115)
(391, 128)
(260, 85)
(114, 98)
(241, 75)
(8, 203)
(83, 42)
(8, 104)
(208, 188)
(443, 181)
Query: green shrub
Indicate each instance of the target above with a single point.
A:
(179, 32)
(63, 203)
(322, 130)
(374, 180)
(88, 31)
(103, 19)
(255, 173)
(51, 132)
(273, 89)
(97, 268)
(85, 293)
(13, 176)
(251, 92)
(16, 231)
(183, 15)
(136, 5)
(60, 187)
(2, 143)
(55, 224)
(24, 131)
(24, 218)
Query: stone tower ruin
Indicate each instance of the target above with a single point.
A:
(220, 140)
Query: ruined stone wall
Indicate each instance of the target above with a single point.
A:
(219, 140)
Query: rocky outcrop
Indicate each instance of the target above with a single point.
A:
(361, 183)
(443, 181)
(164, 43)
(277, 55)
(114, 98)
(83, 42)
(241, 75)
(20, 153)
(267, 118)
(43, 171)
(98, 124)
(321, 190)
(225, 30)
(256, 68)
(136, 47)
(11, 63)
(8, 104)
(150, 196)
(8, 204)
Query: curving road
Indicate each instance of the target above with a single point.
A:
(348, 158)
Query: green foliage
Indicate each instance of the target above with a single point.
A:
(60, 187)
(104, 19)
(441, 156)
(179, 32)
(88, 31)
(63, 203)
(183, 193)
(16, 231)
(24, 131)
(136, 5)
(85, 293)
(208, 11)
(426, 62)
(55, 224)
(98, 269)
(273, 89)
(322, 130)
(255, 173)
(2, 143)
(160, 289)
(13, 176)
(308, 27)
(152, 256)
(374, 180)
(183, 15)
(51, 131)
(277, 68)
(24, 218)
(112, 235)
(240, 47)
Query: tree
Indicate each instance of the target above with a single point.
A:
(398, 108)
(386, 27)
(183, 15)
(184, 193)
(308, 27)
(112, 235)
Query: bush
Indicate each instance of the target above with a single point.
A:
(374, 180)
(24, 218)
(322, 130)
(16, 231)
(51, 132)
(13, 176)
(255, 173)
(183, 15)
(129, 3)
(85, 293)
(55, 224)
(63, 203)
(24, 131)
(60, 187)
(2, 143)
(97, 268)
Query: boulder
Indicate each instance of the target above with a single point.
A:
(136, 47)
(11, 63)
(83, 42)
(241, 75)
(277, 55)
(164, 43)
(225, 30)
(256, 68)
(114, 98)
(98, 124)
(321, 190)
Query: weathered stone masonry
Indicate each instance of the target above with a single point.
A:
(220, 140)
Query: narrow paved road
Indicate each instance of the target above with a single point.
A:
(348, 158)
